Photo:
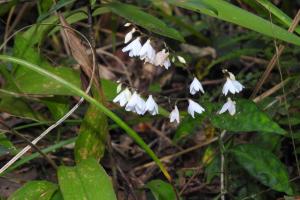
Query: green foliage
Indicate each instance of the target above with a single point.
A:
(143, 19)
(248, 118)
(161, 190)
(264, 166)
(228, 12)
(87, 180)
(6, 146)
(35, 190)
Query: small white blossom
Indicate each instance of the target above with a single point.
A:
(136, 104)
(133, 47)
(167, 63)
(123, 97)
(181, 59)
(119, 88)
(230, 106)
(128, 36)
(196, 86)
(127, 24)
(161, 57)
(147, 52)
(151, 106)
(232, 85)
(194, 107)
(174, 115)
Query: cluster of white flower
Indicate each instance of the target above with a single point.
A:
(233, 86)
(146, 52)
(135, 103)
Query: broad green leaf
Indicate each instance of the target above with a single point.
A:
(109, 89)
(143, 19)
(35, 190)
(248, 117)
(92, 135)
(161, 190)
(88, 180)
(264, 166)
(58, 106)
(57, 196)
(32, 82)
(93, 101)
(231, 13)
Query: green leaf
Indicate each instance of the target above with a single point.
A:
(143, 19)
(188, 126)
(264, 166)
(88, 180)
(57, 105)
(35, 190)
(161, 190)
(231, 13)
(248, 117)
(6, 146)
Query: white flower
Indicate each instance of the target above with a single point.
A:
(161, 57)
(167, 63)
(194, 107)
(232, 85)
(151, 106)
(147, 52)
(119, 88)
(136, 104)
(181, 59)
(133, 47)
(128, 36)
(123, 97)
(127, 24)
(196, 86)
(174, 115)
(230, 106)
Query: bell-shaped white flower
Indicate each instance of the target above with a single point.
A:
(147, 52)
(232, 85)
(140, 107)
(123, 97)
(161, 57)
(228, 106)
(196, 86)
(167, 63)
(136, 104)
(174, 115)
(128, 36)
(151, 106)
(181, 59)
(133, 47)
(194, 108)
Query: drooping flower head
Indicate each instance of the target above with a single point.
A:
(151, 106)
(123, 97)
(133, 47)
(194, 108)
(147, 53)
(161, 58)
(231, 85)
(136, 104)
(128, 36)
(174, 115)
(196, 86)
(228, 106)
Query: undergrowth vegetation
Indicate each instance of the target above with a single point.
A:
(149, 99)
